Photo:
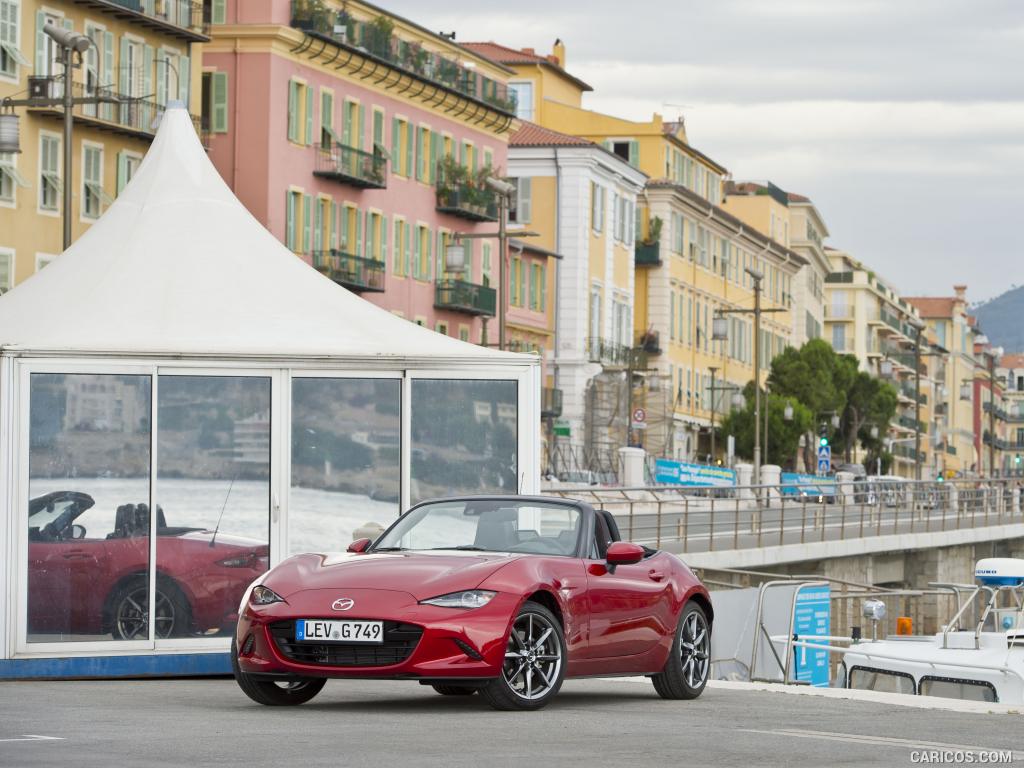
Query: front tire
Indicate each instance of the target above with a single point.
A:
(534, 664)
(271, 693)
(129, 610)
(686, 672)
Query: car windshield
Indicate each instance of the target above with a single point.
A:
(489, 525)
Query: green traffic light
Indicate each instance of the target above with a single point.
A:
(822, 441)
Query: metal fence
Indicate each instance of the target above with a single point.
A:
(698, 519)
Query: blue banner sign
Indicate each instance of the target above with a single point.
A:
(812, 622)
(795, 484)
(669, 472)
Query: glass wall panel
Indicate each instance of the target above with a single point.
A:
(88, 507)
(346, 463)
(464, 437)
(213, 499)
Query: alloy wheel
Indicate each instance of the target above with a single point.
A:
(694, 649)
(533, 657)
(133, 615)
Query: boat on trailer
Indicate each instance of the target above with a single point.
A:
(977, 656)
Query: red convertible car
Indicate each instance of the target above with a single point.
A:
(505, 596)
(85, 585)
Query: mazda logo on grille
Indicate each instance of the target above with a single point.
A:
(343, 603)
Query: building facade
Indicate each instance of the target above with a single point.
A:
(144, 54)
(362, 141)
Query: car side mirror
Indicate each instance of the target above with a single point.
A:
(624, 553)
(359, 545)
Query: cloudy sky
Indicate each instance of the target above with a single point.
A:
(902, 119)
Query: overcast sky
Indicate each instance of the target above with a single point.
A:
(902, 120)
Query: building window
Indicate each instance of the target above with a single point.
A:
(596, 207)
(49, 172)
(485, 263)
(9, 177)
(839, 337)
(442, 328)
(523, 94)
(127, 165)
(6, 270)
(423, 139)
(401, 147)
(293, 215)
(595, 312)
(538, 297)
(422, 253)
(463, 333)
(519, 209)
(399, 245)
(516, 288)
(300, 113)
(10, 55)
(215, 102)
(93, 196)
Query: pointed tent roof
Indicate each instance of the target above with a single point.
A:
(177, 265)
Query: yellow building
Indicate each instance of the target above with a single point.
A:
(143, 51)
(795, 222)
(866, 318)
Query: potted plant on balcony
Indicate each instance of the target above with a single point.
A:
(309, 15)
(452, 177)
(654, 225)
(377, 36)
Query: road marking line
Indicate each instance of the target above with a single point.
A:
(880, 741)
(30, 737)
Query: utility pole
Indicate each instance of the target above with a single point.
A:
(917, 402)
(991, 413)
(714, 372)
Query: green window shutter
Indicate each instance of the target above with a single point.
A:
(524, 204)
(309, 115)
(122, 171)
(439, 269)
(533, 286)
(317, 227)
(462, 153)
(344, 230)
(378, 129)
(420, 155)
(359, 234)
(416, 255)
(384, 240)
(219, 14)
(397, 261)
(161, 79)
(435, 151)
(219, 84)
(293, 111)
(334, 226)
(361, 128)
(409, 138)
(326, 110)
(289, 220)
(634, 153)
(396, 143)
(408, 248)
(147, 83)
(543, 288)
(346, 124)
(107, 76)
(185, 82)
(306, 216)
(40, 43)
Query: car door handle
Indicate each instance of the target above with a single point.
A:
(654, 575)
(77, 555)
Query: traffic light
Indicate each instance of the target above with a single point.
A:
(1016, 459)
(823, 441)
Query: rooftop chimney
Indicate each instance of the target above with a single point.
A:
(961, 292)
(558, 51)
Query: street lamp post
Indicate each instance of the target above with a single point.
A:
(504, 191)
(721, 333)
(714, 405)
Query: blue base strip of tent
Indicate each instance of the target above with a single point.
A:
(163, 665)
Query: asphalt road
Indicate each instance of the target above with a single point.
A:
(602, 722)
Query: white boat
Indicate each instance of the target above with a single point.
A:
(978, 655)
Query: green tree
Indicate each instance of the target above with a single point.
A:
(783, 436)
(871, 402)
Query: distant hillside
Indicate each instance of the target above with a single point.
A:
(1002, 319)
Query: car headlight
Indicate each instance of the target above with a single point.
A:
(264, 596)
(473, 598)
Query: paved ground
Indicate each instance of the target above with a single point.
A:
(602, 722)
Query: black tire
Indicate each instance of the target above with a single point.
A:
(271, 693)
(538, 652)
(129, 610)
(453, 690)
(686, 671)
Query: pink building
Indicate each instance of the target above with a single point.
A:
(360, 139)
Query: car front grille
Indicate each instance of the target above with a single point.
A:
(399, 642)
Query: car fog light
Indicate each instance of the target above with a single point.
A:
(473, 598)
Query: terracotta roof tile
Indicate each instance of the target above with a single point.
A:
(505, 55)
(1012, 361)
(933, 306)
(533, 135)
(795, 198)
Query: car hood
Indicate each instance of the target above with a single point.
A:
(421, 574)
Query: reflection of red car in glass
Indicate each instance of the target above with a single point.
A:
(85, 585)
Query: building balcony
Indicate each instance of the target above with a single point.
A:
(839, 277)
(612, 355)
(1002, 414)
(908, 423)
(908, 453)
(376, 39)
(839, 312)
(951, 449)
(348, 165)
(468, 298)
(550, 403)
(356, 273)
(908, 391)
(647, 254)
(183, 19)
(467, 201)
(136, 118)
(650, 342)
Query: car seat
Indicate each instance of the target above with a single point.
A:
(496, 529)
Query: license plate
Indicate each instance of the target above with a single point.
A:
(334, 631)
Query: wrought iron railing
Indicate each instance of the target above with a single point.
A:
(185, 14)
(353, 166)
(467, 201)
(462, 296)
(611, 354)
(377, 39)
(647, 254)
(356, 273)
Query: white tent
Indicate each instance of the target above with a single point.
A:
(178, 357)
(178, 265)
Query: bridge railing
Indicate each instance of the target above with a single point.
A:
(687, 519)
